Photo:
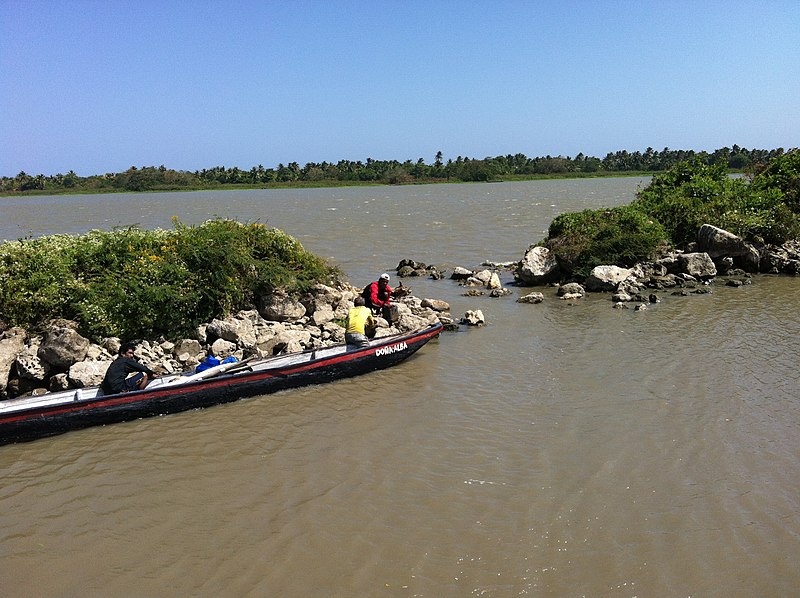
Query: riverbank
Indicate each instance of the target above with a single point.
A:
(326, 184)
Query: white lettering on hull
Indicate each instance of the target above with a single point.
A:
(391, 349)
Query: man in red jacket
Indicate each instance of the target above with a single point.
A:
(378, 297)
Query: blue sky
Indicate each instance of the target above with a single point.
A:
(99, 86)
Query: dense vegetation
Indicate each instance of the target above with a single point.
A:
(620, 236)
(764, 208)
(133, 283)
(347, 172)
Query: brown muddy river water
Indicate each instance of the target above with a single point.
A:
(565, 449)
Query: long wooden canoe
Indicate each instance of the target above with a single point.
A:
(29, 418)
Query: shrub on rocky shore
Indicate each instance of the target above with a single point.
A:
(136, 283)
(763, 213)
(621, 236)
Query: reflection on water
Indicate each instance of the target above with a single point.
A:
(563, 449)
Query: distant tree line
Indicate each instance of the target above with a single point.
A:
(392, 172)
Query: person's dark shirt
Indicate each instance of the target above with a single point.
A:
(114, 380)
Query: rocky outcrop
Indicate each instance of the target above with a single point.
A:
(408, 268)
(765, 258)
(64, 359)
(784, 259)
(28, 364)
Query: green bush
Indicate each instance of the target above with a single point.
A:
(692, 194)
(133, 283)
(618, 236)
(761, 216)
(783, 174)
(689, 195)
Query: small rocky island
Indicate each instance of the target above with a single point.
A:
(716, 253)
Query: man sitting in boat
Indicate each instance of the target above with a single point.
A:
(116, 379)
(378, 297)
(359, 323)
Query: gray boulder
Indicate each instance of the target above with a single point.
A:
(606, 278)
(188, 347)
(700, 265)
(407, 321)
(98, 353)
(717, 242)
(473, 318)
(326, 294)
(62, 346)
(484, 276)
(221, 348)
(571, 288)
(112, 345)
(323, 295)
(233, 329)
(460, 273)
(295, 340)
(332, 332)
(531, 298)
(29, 366)
(436, 304)
(285, 340)
(324, 313)
(87, 373)
(281, 308)
(538, 266)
